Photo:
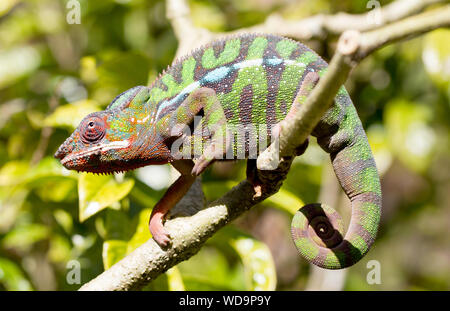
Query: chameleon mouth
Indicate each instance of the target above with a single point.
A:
(95, 150)
(110, 169)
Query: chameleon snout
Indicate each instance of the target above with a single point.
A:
(64, 149)
(60, 153)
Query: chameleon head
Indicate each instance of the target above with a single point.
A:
(106, 141)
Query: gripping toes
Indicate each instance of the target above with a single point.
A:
(159, 233)
(201, 164)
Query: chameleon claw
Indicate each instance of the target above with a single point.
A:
(258, 191)
(159, 233)
(252, 177)
(201, 165)
(162, 238)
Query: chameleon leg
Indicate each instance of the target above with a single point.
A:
(214, 118)
(174, 194)
(202, 99)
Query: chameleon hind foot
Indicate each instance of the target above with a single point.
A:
(252, 177)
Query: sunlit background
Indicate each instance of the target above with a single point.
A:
(53, 73)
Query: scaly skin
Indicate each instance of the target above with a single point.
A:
(251, 81)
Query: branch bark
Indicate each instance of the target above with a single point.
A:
(189, 233)
(319, 26)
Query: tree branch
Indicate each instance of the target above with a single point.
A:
(319, 26)
(190, 233)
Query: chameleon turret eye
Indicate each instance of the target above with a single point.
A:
(93, 130)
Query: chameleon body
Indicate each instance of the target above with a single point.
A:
(248, 80)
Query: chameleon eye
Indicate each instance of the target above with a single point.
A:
(93, 130)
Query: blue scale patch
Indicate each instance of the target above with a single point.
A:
(216, 75)
(273, 61)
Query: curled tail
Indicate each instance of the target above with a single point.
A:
(317, 229)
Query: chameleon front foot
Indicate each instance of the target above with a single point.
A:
(159, 233)
(200, 165)
(215, 150)
(174, 194)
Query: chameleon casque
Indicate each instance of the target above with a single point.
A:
(243, 80)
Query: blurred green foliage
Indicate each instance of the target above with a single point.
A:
(53, 73)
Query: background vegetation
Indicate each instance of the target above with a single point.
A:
(52, 74)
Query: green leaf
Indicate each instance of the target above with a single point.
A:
(13, 172)
(409, 134)
(436, 56)
(27, 56)
(96, 192)
(174, 279)
(12, 277)
(57, 190)
(144, 195)
(19, 172)
(118, 227)
(118, 222)
(285, 200)
(120, 71)
(88, 70)
(60, 250)
(378, 140)
(113, 251)
(24, 236)
(142, 233)
(258, 263)
(82, 243)
(209, 269)
(207, 16)
(11, 201)
(49, 167)
(70, 115)
(64, 219)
